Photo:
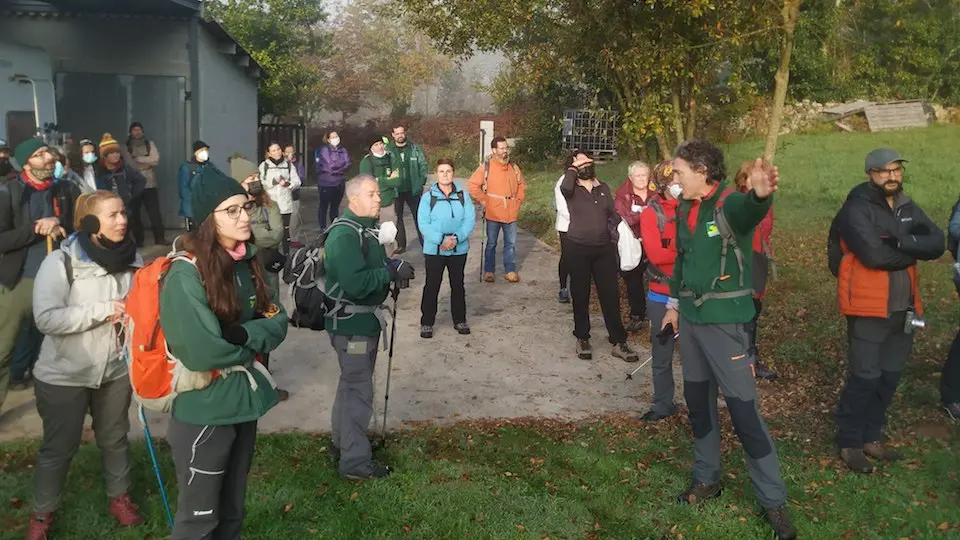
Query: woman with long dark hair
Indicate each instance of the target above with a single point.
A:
(78, 301)
(217, 312)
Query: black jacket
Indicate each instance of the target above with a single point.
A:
(127, 182)
(593, 218)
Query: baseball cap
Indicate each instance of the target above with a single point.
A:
(879, 158)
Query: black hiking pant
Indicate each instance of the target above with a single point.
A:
(563, 269)
(636, 292)
(950, 378)
(412, 200)
(596, 264)
(151, 203)
(435, 265)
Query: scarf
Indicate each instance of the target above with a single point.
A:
(239, 252)
(114, 257)
(36, 185)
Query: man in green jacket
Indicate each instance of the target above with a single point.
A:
(379, 164)
(359, 275)
(711, 293)
(413, 176)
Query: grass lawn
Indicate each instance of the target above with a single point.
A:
(612, 477)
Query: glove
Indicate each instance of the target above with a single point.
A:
(399, 270)
(235, 333)
(273, 261)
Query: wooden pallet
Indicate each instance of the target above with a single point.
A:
(896, 115)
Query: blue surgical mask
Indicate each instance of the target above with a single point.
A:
(90, 158)
(58, 170)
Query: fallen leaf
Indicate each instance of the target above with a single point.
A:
(520, 527)
(354, 495)
(287, 507)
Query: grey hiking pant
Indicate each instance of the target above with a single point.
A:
(662, 363)
(63, 409)
(353, 405)
(717, 355)
(212, 466)
(16, 307)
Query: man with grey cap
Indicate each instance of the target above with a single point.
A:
(875, 241)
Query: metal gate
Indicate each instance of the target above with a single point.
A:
(285, 134)
(91, 104)
(592, 131)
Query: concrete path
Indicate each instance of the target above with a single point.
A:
(519, 360)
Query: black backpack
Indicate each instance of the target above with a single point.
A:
(953, 241)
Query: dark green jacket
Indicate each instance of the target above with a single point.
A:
(194, 336)
(363, 280)
(698, 257)
(382, 168)
(413, 166)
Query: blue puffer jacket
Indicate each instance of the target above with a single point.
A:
(448, 216)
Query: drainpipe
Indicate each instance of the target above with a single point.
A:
(194, 93)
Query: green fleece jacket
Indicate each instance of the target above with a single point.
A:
(698, 256)
(194, 336)
(413, 166)
(364, 280)
(382, 168)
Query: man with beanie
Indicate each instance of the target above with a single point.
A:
(412, 165)
(186, 178)
(146, 157)
(7, 171)
(360, 274)
(875, 241)
(380, 164)
(113, 174)
(27, 219)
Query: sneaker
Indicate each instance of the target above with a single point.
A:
(761, 371)
(563, 296)
(636, 324)
(953, 410)
(374, 471)
(878, 450)
(40, 523)
(699, 493)
(125, 511)
(625, 353)
(512, 277)
(855, 460)
(426, 332)
(462, 328)
(584, 350)
(489, 277)
(653, 416)
(779, 519)
(283, 394)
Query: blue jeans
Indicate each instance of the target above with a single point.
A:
(27, 349)
(509, 246)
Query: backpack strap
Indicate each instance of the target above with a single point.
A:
(434, 199)
(486, 173)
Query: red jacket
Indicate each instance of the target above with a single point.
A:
(762, 234)
(660, 249)
(624, 200)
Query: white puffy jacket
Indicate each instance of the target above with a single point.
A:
(270, 175)
(80, 347)
(563, 213)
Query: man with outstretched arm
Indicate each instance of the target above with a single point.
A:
(359, 276)
(711, 301)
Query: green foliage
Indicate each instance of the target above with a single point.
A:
(279, 34)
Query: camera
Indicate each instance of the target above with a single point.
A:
(913, 323)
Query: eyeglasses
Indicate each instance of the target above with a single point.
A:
(889, 172)
(233, 211)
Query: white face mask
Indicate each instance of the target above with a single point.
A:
(203, 156)
(335, 141)
(675, 190)
(387, 233)
(89, 159)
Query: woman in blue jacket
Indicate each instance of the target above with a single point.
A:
(445, 217)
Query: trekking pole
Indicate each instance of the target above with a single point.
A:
(386, 394)
(483, 239)
(156, 468)
(647, 361)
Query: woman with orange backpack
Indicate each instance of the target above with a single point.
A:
(78, 302)
(217, 313)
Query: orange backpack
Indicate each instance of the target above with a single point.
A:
(155, 374)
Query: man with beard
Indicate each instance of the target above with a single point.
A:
(27, 219)
(146, 157)
(6, 167)
(874, 244)
(412, 165)
(113, 174)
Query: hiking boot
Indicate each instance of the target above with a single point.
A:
(699, 493)
(461, 328)
(636, 324)
(856, 460)
(584, 350)
(374, 471)
(125, 511)
(779, 519)
(878, 450)
(563, 296)
(625, 353)
(761, 371)
(953, 410)
(489, 277)
(426, 332)
(40, 523)
(333, 453)
(512, 277)
(654, 416)
(283, 394)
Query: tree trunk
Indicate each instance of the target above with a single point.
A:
(790, 13)
(664, 146)
(677, 115)
(692, 119)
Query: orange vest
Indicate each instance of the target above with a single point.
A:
(865, 292)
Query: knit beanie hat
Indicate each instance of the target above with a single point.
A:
(26, 149)
(211, 188)
(198, 145)
(108, 144)
(241, 169)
